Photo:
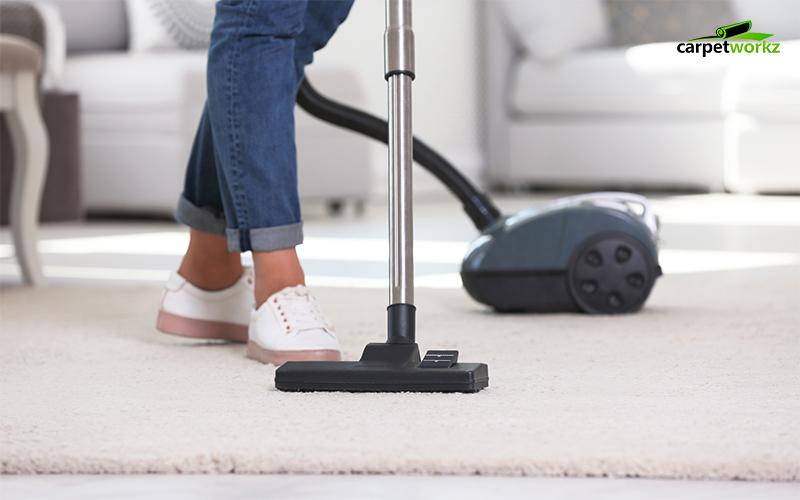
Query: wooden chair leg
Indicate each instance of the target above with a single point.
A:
(31, 152)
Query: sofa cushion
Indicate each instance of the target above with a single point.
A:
(119, 81)
(144, 92)
(94, 25)
(646, 79)
(550, 29)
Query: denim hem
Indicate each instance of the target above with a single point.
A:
(200, 219)
(267, 239)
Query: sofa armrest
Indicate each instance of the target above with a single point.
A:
(55, 49)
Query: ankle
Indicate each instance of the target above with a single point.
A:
(275, 271)
(266, 288)
(208, 264)
(211, 277)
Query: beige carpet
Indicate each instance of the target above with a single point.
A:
(702, 384)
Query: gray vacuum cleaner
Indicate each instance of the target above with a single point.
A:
(396, 364)
(596, 253)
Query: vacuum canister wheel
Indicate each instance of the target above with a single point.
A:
(611, 273)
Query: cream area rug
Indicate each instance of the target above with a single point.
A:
(703, 383)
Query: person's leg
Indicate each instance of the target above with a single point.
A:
(211, 295)
(278, 269)
(247, 136)
(251, 88)
(275, 271)
(321, 20)
(208, 264)
(281, 268)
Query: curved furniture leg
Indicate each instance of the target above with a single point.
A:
(31, 152)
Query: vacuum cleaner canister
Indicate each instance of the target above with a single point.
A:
(596, 253)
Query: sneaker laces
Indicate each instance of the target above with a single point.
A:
(298, 310)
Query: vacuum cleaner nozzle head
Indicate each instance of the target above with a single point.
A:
(389, 367)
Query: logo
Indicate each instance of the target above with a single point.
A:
(734, 33)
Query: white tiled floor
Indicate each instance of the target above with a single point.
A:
(700, 233)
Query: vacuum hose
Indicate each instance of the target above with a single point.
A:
(478, 206)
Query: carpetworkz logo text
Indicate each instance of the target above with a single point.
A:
(735, 32)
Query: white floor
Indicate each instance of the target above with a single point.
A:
(302, 487)
(700, 233)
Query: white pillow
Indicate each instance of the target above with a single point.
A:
(94, 25)
(550, 29)
(169, 24)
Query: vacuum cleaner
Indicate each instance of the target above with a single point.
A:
(595, 253)
(396, 364)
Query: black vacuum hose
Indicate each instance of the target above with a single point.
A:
(477, 204)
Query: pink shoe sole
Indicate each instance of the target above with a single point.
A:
(200, 328)
(277, 358)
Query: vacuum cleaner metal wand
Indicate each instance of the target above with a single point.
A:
(396, 365)
(399, 72)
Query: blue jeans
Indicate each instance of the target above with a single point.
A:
(241, 180)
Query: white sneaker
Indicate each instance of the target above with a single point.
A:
(191, 312)
(289, 326)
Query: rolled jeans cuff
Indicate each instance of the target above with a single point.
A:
(267, 239)
(205, 220)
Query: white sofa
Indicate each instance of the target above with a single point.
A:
(140, 110)
(591, 115)
(761, 130)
